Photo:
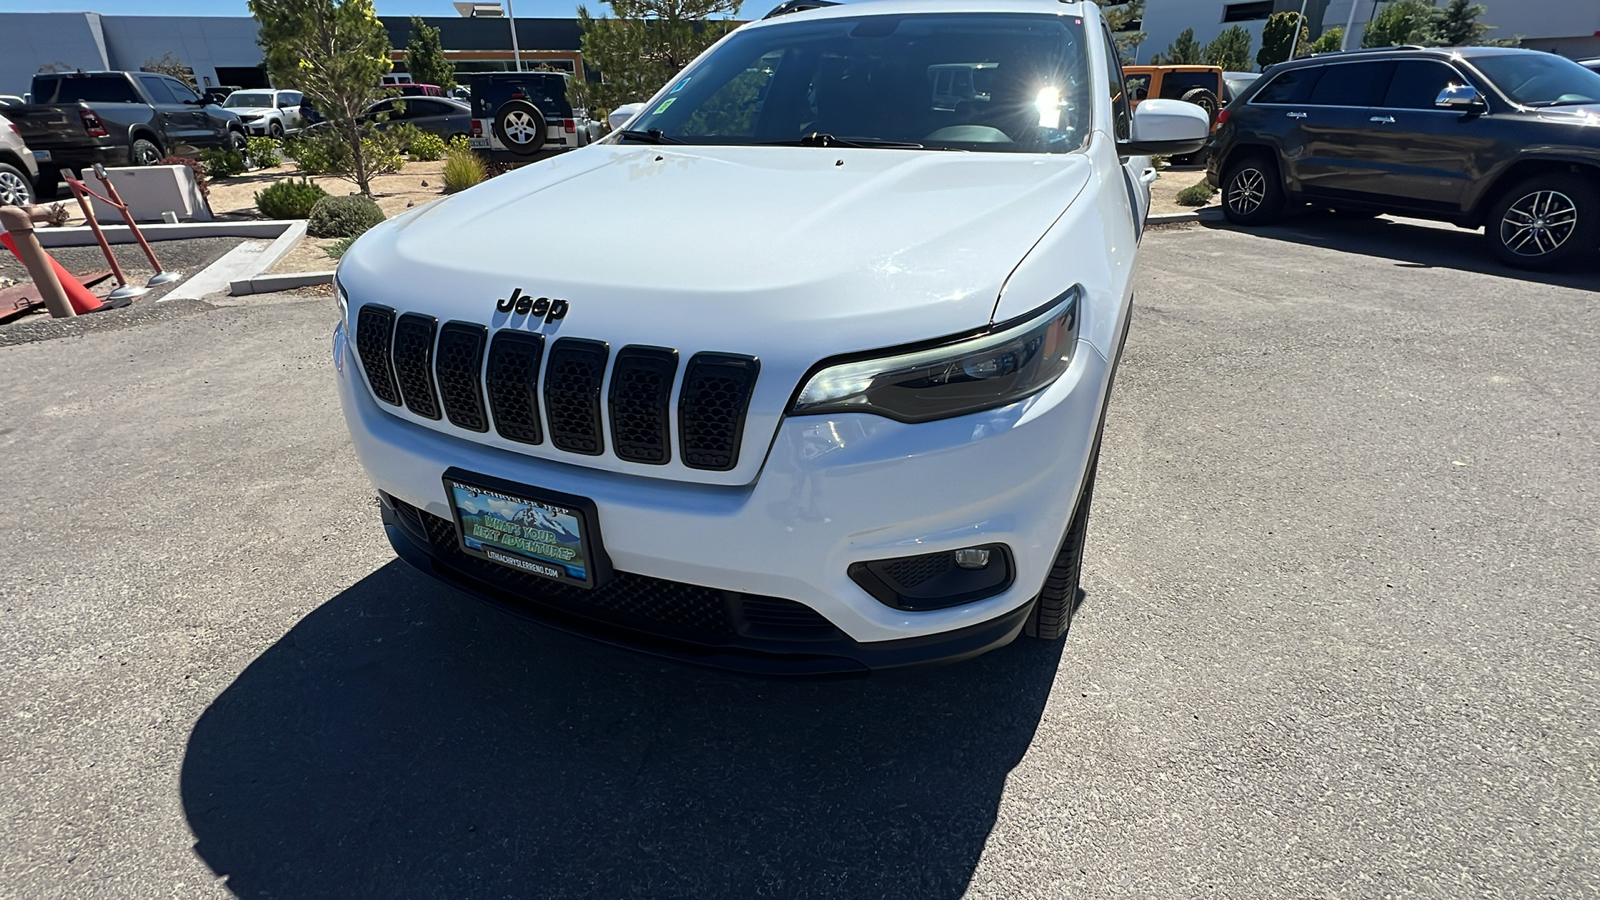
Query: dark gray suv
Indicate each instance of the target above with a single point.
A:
(1507, 140)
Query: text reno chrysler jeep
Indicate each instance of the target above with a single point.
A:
(836, 335)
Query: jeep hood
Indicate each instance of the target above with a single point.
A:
(833, 249)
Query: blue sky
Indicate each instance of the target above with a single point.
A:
(529, 8)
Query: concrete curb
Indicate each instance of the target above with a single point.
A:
(283, 281)
(1204, 214)
(82, 236)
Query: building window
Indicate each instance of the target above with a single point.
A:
(1247, 12)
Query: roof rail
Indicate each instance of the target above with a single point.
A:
(794, 6)
(1376, 49)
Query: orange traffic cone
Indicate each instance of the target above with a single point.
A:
(82, 299)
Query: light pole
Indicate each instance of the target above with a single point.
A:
(1349, 23)
(516, 53)
(1298, 24)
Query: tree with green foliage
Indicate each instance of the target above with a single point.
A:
(644, 44)
(1328, 42)
(1185, 51)
(1230, 50)
(1456, 24)
(425, 58)
(1401, 22)
(1278, 38)
(1126, 20)
(170, 65)
(335, 52)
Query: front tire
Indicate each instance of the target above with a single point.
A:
(15, 189)
(1545, 221)
(1052, 610)
(275, 131)
(236, 142)
(1251, 192)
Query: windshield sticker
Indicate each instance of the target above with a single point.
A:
(679, 86)
(664, 104)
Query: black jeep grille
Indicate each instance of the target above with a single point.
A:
(457, 372)
(413, 363)
(648, 604)
(641, 389)
(716, 393)
(374, 335)
(460, 370)
(572, 394)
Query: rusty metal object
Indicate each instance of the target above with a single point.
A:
(18, 222)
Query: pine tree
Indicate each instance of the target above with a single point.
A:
(1278, 38)
(1457, 25)
(425, 58)
(1185, 51)
(1230, 50)
(1126, 20)
(645, 44)
(1401, 22)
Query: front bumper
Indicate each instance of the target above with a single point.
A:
(833, 491)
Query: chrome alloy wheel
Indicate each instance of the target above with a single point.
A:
(1248, 191)
(14, 190)
(1538, 223)
(520, 127)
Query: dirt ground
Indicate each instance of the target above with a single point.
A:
(1164, 193)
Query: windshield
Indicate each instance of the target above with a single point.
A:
(1540, 79)
(248, 98)
(999, 82)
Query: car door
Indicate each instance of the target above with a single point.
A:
(288, 104)
(1275, 116)
(1421, 155)
(176, 120)
(204, 131)
(1337, 161)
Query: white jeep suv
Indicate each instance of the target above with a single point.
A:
(812, 378)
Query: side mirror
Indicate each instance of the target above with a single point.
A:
(620, 116)
(1166, 127)
(1461, 98)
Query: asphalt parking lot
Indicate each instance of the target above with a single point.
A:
(1338, 637)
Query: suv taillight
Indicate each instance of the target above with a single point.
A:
(477, 128)
(92, 124)
(1222, 117)
(571, 125)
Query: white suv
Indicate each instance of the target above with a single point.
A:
(812, 378)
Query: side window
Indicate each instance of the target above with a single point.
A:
(156, 87)
(1293, 86)
(1354, 84)
(1121, 125)
(1138, 86)
(1417, 83)
(180, 91)
(1176, 84)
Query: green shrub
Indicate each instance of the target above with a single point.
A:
(403, 133)
(221, 162)
(460, 142)
(1196, 195)
(344, 216)
(382, 150)
(427, 147)
(289, 199)
(320, 153)
(336, 249)
(462, 169)
(265, 152)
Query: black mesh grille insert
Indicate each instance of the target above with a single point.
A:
(572, 379)
(514, 385)
(374, 334)
(909, 571)
(716, 393)
(641, 389)
(413, 363)
(460, 369)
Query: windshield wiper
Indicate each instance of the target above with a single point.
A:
(652, 136)
(819, 139)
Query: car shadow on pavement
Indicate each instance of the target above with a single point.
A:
(404, 740)
(1412, 244)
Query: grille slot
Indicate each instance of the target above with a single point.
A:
(572, 379)
(910, 571)
(460, 370)
(513, 380)
(641, 390)
(374, 334)
(711, 409)
(413, 363)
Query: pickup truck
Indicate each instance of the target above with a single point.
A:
(78, 119)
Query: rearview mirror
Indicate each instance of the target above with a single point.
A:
(1166, 127)
(620, 116)
(1460, 97)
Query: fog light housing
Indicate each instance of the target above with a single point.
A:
(937, 580)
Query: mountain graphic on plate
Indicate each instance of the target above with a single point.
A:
(534, 517)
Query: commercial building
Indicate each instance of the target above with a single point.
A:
(223, 50)
(1568, 27)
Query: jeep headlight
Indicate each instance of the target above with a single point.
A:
(1006, 363)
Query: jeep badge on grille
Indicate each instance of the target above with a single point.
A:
(523, 305)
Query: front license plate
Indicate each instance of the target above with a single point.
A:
(41, 155)
(539, 532)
